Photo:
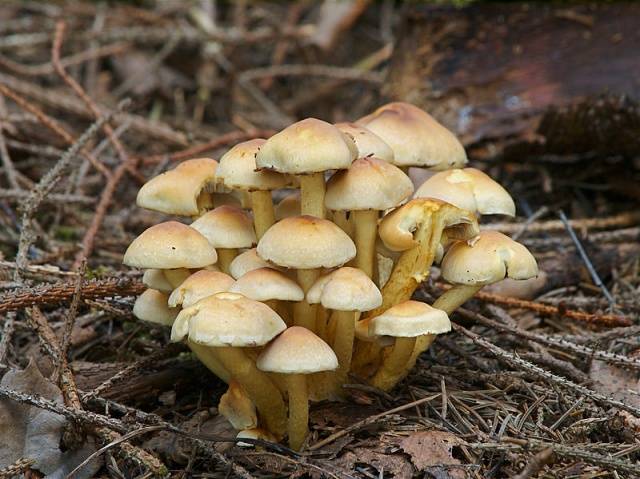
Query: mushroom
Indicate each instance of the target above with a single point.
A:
(307, 149)
(227, 228)
(296, 353)
(288, 206)
(152, 306)
(369, 186)
(367, 142)
(307, 244)
(237, 170)
(248, 261)
(256, 434)
(155, 279)
(198, 286)
(236, 406)
(182, 190)
(222, 325)
(347, 291)
(268, 286)
(404, 322)
(415, 137)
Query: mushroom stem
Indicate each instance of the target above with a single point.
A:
(394, 364)
(203, 353)
(245, 200)
(263, 213)
(312, 189)
(322, 316)
(344, 222)
(366, 230)
(204, 203)
(262, 391)
(298, 425)
(343, 344)
(175, 277)
(225, 257)
(304, 314)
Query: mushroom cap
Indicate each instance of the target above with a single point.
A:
(152, 306)
(367, 142)
(228, 319)
(254, 433)
(288, 206)
(236, 406)
(227, 227)
(486, 259)
(155, 279)
(248, 261)
(200, 285)
(345, 289)
(308, 146)
(176, 191)
(410, 319)
(264, 284)
(297, 351)
(469, 189)
(415, 137)
(368, 184)
(170, 245)
(237, 169)
(397, 228)
(306, 242)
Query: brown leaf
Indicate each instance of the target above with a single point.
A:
(393, 465)
(432, 449)
(616, 382)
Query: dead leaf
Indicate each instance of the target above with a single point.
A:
(32, 433)
(433, 449)
(392, 465)
(616, 382)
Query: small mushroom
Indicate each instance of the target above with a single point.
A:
(256, 434)
(288, 206)
(155, 279)
(248, 261)
(198, 286)
(296, 353)
(152, 306)
(368, 143)
(236, 406)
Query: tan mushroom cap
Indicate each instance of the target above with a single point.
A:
(288, 206)
(297, 351)
(410, 319)
(415, 137)
(152, 306)
(228, 319)
(227, 227)
(265, 284)
(486, 259)
(306, 242)
(198, 286)
(248, 261)
(345, 289)
(155, 279)
(368, 184)
(176, 191)
(237, 169)
(308, 146)
(397, 228)
(469, 189)
(236, 406)
(170, 245)
(367, 142)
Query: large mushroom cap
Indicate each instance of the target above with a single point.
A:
(237, 169)
(486, 259)
(367, 142)
(265, 284)
(469, 189)
(200, 285)
(176, 191)
(228, 319)
(410, 319)
(368, 184)
(345, 289)
(306, 242)
(227, 227)
(415, 137)
(297, 351)
(152, 306)
(248, 261)
(170, 245)
(308, 146)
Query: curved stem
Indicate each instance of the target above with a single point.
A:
(263, 213)
(304, 314)
(298, 425)
(343, 344)
(366, 230)
(393, 366)
(262, 391)
(225, 257)
(312, 189)
(206, 357)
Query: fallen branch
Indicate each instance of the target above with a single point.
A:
(622, 220)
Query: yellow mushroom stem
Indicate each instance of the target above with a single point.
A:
(298, 423)
(366, 231)
(175, 277)
(393, 365)
(225, 257)
(203, 353)
(343, 344)
(245, 200)
(204, 202)
(262, 391)
(322, 317)
(304, 314)
(281, 308)
(263, 213)
(344, 222)
(312, 189)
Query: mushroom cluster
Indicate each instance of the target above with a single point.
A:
(284, 300)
